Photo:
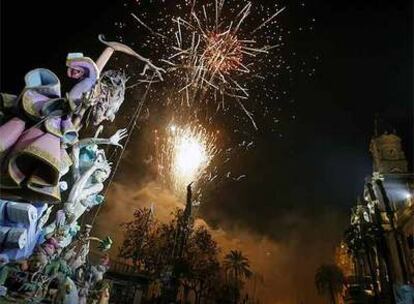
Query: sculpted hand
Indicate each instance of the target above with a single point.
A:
(157, 70)
(117, 137)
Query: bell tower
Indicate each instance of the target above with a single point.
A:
(388, 155)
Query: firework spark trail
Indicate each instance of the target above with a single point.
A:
(243, 13)
(147, 27)
(270, 19)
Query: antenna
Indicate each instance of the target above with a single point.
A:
(376, 118)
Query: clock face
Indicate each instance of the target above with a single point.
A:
(390, 153)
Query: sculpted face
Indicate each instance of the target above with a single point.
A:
(75, 73)
(101, 175)
(99, 114)
(3, 260)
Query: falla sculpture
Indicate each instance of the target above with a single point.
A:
(50, 176)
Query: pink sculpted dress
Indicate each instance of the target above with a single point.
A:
(34, 136)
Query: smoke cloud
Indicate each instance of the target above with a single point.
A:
(284, 267)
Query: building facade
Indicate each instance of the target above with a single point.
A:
(380, 238)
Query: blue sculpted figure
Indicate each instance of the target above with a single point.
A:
(20, 228)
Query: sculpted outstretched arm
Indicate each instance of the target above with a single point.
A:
(94, 189)
(113, 140)
(113, 46)
(75, 161)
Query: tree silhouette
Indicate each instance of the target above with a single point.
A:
(160, 252)
(202, 266)
(237, 269)
(147, 244)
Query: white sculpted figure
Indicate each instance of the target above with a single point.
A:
(90, 170)
(85, 190)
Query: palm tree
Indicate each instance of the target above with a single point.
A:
(237, 267)
(329, 281)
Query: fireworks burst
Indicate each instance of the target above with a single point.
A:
(214, 56)
(185, 154)
(210, 50)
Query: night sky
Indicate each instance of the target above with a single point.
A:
(302, 180)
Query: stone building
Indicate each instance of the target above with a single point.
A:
(380, 237)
